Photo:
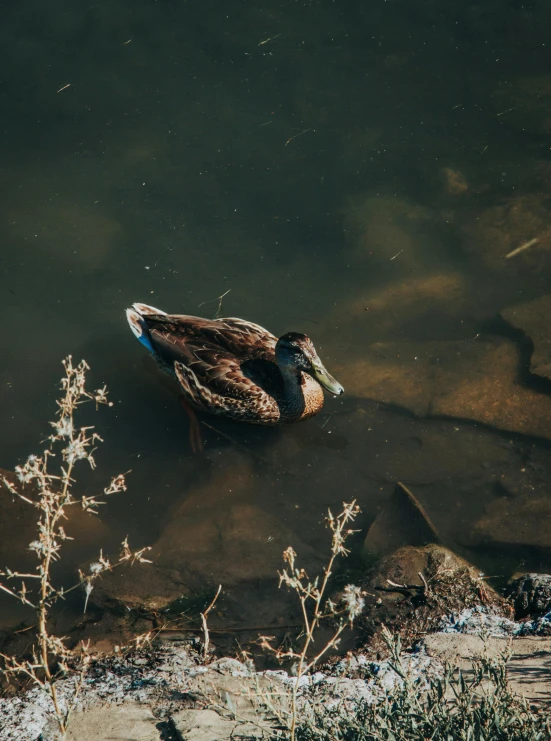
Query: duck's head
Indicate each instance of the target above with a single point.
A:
(296, 352)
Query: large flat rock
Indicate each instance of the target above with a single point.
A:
(476, 380)
(393, 306)
(208, 725)
(130, 721)
(529, 668)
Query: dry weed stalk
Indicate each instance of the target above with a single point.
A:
(206, 634)
(316, 607)
(52, 494)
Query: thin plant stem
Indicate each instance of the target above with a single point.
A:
(315, 592)
(206, 637)
(52, 495)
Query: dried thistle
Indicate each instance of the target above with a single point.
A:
(53, 494)
(315, 607)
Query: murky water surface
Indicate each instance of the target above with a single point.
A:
(354, 170)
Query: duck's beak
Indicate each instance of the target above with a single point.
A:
(325, 379)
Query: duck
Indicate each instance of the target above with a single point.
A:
(234, 368)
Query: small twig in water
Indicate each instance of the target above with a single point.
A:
(272, 38)
(524, 246)
(219, 299)
(514, 108)
(219, 309)
(290, 139)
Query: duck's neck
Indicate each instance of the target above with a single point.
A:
(293, 402)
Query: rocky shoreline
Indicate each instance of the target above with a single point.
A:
(165, 691)
(426, 612)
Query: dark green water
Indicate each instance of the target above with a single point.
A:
(299, 156)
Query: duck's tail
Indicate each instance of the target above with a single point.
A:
(138, 325)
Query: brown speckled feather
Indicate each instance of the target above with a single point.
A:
(225, 366)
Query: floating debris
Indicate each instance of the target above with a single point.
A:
(522, 248)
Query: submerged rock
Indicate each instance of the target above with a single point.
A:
(455, 183)
(401, 521)
(514, 523)
(398, 302)
(491, 235)
(215, 536)
(533, 319)
(382, 226)
(530, 595)
(474, 380)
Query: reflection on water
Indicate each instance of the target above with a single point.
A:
(356, 171)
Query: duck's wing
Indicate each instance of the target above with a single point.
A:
(230, 394)
(176, 337)
(221, 355)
